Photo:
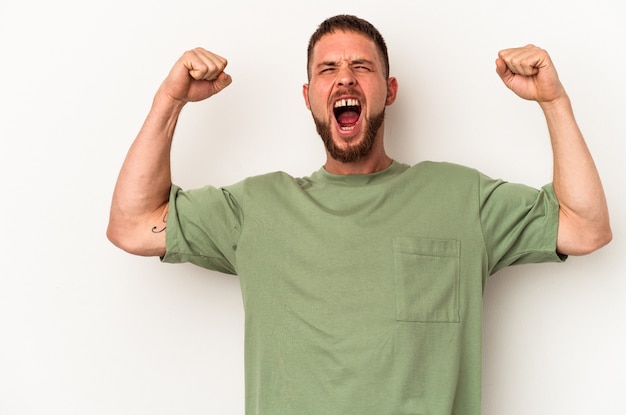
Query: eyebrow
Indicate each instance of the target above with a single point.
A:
(352, 62)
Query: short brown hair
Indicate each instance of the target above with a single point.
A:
(348, 23)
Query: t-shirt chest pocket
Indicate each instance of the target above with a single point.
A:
(426, 278)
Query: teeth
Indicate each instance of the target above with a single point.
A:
(350, 102)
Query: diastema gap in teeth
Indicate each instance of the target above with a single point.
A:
(347, 103)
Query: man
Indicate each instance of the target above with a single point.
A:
(362, 284)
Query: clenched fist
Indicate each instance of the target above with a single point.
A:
(528, 71)
(197, 75)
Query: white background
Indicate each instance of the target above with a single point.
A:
(88, 329)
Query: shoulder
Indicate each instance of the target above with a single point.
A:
(273, 179)
(440, 171)
(265, 185)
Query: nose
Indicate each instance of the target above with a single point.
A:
(345, 77)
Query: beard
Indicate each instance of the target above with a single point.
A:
(351, 153)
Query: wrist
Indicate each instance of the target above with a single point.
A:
(559, 104)
(166, 103)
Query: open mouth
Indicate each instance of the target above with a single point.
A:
(347, 112)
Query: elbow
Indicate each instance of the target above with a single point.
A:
(583, 234)
(119, 236)
(115, 235)
(601, 235)
(592, 241)
(602, 238)
(129, 238)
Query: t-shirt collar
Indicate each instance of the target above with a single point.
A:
(323, 176)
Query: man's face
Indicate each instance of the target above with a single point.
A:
(347, 94)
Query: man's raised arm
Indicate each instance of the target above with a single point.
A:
(583, 215)
(140, 200)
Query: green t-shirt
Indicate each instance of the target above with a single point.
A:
(363, 293)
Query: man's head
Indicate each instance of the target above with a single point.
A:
(348, 23)
(349, 88)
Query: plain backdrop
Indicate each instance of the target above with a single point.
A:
(88, 329)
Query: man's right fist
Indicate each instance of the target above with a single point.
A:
(197, 75)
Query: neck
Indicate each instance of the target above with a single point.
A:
(365, 165)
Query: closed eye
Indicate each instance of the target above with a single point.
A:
(363, 65)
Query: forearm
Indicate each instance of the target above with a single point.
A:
(583, 219)
(142, 189)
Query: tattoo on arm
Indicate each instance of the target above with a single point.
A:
(159, 229)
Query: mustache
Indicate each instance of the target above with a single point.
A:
(346, 91)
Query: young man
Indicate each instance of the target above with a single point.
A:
(362, 284)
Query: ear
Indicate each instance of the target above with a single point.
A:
(392, 90)
(305, 94)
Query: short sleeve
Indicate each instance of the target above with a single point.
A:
(519, 223)
(203, 227)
